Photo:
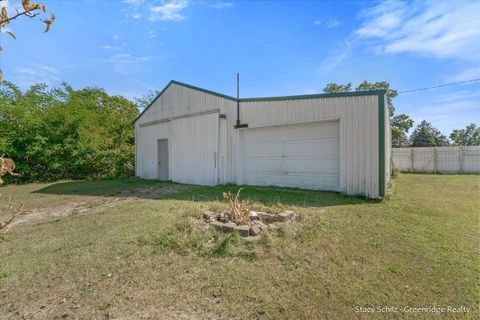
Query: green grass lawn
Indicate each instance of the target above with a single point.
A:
(149, 258)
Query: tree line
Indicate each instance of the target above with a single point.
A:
(424, 134)
(63, 133)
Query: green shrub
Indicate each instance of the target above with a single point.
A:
(62, 133)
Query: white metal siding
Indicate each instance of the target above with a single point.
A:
(388, 146)
(194, 150)
(302, 156)
(357, 118)
(358, 131)
(179, 101)
(146, 151)
(167, 118)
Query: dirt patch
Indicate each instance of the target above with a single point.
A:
(92, 205)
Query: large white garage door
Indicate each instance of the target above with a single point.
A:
(300, 156)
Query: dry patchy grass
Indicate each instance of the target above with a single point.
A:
(150, 258)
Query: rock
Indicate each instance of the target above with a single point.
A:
(254, 230)
(244, 230)
(267, 217)
(208, 215)
(286, 215)
(222, 216)
(229, 226)
(217, 225)
(252, 214)
(261, 225)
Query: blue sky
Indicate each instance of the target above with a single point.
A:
(279, 47)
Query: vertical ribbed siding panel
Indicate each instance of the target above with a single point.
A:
(356, 145)
(181, 101)
(343, 154)
(360, 139)
(194, 149)
(146, 151)
(358, 118)
(388, 147)
(370, 154)
(375, 146)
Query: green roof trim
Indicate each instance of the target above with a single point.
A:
(318, 95)
(203, 90)
(278, 98)
(381, 145)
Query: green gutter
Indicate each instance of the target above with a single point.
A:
(297, 97)
(381, 145)
(320, 95)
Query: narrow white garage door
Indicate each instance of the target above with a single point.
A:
(300, 156)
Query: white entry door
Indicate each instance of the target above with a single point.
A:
(303, 156)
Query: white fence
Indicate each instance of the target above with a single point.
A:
(437, 159)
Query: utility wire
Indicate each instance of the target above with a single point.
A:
(441, 85)
(377, 43)
(254, 76)
(311, 60)
(255, 80)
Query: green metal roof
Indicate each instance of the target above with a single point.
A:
(278, 98)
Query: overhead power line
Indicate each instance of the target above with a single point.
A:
(441, 85)
(309, 63)
(261, 80)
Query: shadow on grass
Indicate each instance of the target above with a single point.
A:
(134, 187)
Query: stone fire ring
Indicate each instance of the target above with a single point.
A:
(259, 221)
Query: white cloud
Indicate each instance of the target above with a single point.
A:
(171, 10)
(467, 74)
(133, 8)
(110, 47)
(338, 53)
(125, 63)
(12, 6)
(458, 95)
(330, 23)
(35, 73)
(440, 29)
(134, 2)
(221, 5)
(449, 110)
(116, 37)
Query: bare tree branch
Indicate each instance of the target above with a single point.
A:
(25, 13)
